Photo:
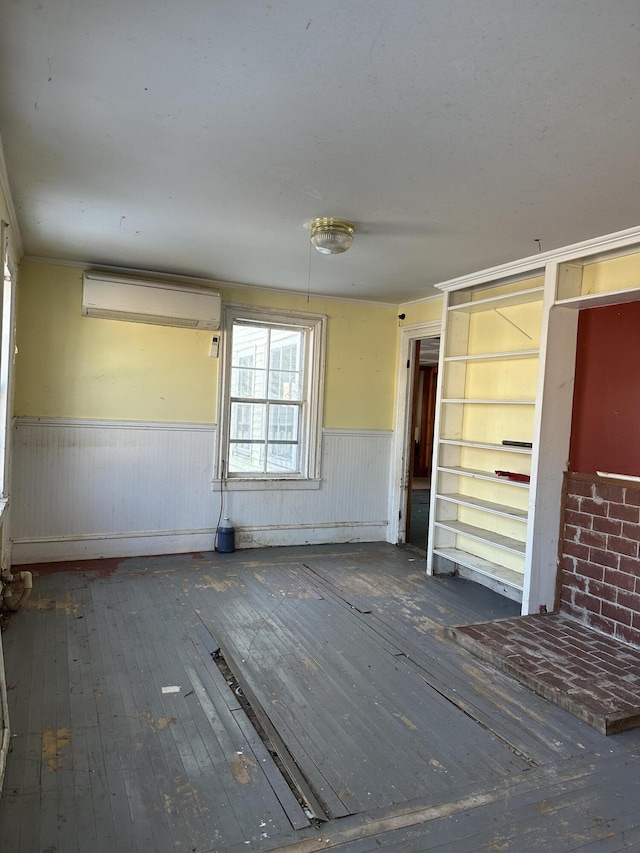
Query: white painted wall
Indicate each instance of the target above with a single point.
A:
(84, 489)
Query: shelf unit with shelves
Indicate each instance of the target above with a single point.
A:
(488, 393)
(507, 369)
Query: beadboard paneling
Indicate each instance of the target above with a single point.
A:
(85, 489)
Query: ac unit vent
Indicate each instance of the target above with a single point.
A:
(141, 301)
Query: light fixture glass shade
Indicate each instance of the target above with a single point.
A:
(332, 236)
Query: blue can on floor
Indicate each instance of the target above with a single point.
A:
(226, 539)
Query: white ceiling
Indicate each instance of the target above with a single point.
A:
(196, 137)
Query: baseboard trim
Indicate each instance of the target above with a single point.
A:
(329, 533)
(103, 547)
(146, 544)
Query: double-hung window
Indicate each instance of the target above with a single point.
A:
(271, 395)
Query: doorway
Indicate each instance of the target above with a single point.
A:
(423, 408)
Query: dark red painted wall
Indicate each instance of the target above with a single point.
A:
(605, 432)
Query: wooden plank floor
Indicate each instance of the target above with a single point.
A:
(410, 742)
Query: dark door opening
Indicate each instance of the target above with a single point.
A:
(423, 407)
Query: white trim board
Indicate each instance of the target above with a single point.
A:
(93, 547)
(95, 423)
(363, 433)
(14, 235)
(399, 481)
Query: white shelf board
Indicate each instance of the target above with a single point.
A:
(494, 571)
(495, 356)
(507, 448)
(476, 474)
(475, 400)
(488, 537)
(485, 506)
(593, 300)
(533, 294)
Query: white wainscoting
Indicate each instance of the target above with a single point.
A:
(84, 489)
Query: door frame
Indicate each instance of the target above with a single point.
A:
(400, 453)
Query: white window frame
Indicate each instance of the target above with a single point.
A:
(314, 327)
(7, 348)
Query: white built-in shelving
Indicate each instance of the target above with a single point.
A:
(490, 362)
(507, 365)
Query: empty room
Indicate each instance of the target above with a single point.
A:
(319, 417)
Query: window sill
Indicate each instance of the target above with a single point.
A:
(251, 485)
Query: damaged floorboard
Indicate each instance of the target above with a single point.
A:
(127, 737)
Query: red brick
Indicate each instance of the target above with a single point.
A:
(575, 550)
(628, 599)
(618, 614)
(602, 590)
(609, 657)
(568, 564)
(619, 545)
(631, 531)
(635, 620)
(580, 487)
(601, 623)
(606, 525)
(566, 594)
(573, 502)
(571, 533)
(596, 508)
(589, 570)
(625, 512)
(587, 602)
(579, 519)
(571, 610)
(630, 565)
(575, 581)
(608, 492)
(632, 497)
(621, 580)
(604, 558)
(628, 635)
(592, 538)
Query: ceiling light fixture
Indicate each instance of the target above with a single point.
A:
(332, 236)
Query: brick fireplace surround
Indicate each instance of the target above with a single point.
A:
(600, 571)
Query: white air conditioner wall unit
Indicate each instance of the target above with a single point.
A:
(157, 302)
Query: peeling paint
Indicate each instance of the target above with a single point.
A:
(411, 726)
(240, 768)
(157, 725)
(67, 603)
(53, 741)
(209, 582)
(494, 692)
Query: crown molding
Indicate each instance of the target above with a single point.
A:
(609, 245)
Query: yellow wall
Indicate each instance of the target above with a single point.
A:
(615, 274)
(421, 312)
(80, 367)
